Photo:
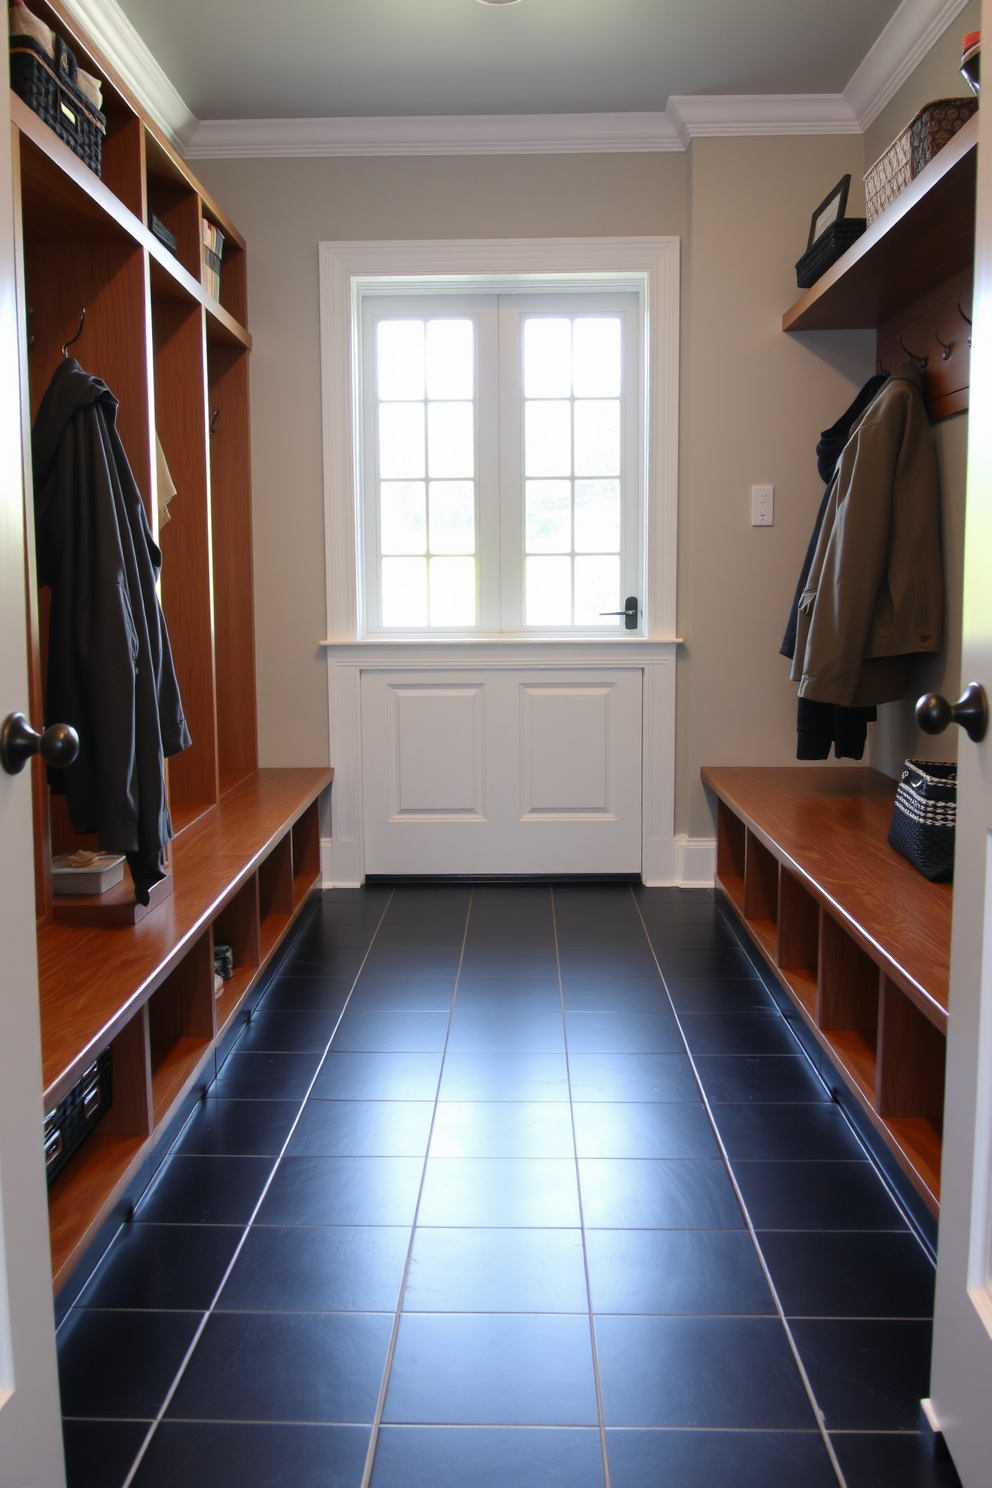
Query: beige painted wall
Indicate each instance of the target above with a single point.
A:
(754, 403)
(285, 208)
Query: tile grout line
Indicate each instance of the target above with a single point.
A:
(807, 1383)
(142, 1450)
(398, 1314)
(582, 1217)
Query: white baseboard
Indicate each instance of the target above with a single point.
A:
(693, 864)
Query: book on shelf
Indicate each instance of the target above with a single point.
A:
(213, 249)
(86, 872)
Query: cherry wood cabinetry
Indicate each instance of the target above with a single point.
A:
(859, 940)
(246, 857)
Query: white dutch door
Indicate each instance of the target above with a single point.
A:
(961, 1384)
(502, 487)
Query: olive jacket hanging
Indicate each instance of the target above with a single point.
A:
(874, 595)
(110, 670)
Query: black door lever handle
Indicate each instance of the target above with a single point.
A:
(630, 612)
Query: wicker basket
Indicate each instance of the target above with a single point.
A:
(924, 818)
(927, 133)
(48, 87)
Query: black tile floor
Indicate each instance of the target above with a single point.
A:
(509, 1186)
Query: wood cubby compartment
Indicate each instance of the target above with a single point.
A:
(181, 1026)
(760, 890)
(174, 201)
(731, 841)
(238, 927)
(275, 893)
(306, 853)
(797, 952)
(858, 939)
(847, 1005)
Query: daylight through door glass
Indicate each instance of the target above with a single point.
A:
(426, 423)
(572, 468)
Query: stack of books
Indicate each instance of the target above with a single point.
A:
(213, 247)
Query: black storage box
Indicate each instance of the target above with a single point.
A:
(827, 249)
(74, 1118)
(48, 87)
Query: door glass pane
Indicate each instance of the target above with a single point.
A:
(549, 516)
(452, 591)
(549, 591)
(596, 357)
(450, 359)
(401, 441)
(452, 517)
(597, 516)
(402, 521)
(451, 440)
(597, 588)
(548, 439)
(547, 358)
(404, 592)
(597, 437)
(400, 359)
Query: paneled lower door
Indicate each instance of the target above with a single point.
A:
(520, 771)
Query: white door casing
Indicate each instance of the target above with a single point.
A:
(30, 1429)
(961, 1385)
(500, 771)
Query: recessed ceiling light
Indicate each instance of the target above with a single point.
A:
(499, 2)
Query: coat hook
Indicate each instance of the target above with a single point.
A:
(965, 318)
(883, 370)
(948, 347)
(921, 361)
(213, 419)
(67, 344)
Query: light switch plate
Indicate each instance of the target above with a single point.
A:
(762, 506)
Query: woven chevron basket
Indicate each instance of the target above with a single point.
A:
(923, 821)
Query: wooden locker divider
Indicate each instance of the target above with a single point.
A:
(275, 893)
(187, 599)
(238, 926)
(181, 1025)
(797, 951)
(234, 611)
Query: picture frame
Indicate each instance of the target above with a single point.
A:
(832, 208)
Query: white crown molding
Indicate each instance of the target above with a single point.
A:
(698, 115)
(113, 33)
(907, 38)
(443, 134)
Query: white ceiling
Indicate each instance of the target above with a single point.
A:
(243, 59)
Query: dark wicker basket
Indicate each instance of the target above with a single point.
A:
(48, 87)
(924, 816)
(827, 249)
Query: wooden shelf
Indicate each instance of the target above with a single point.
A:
(65, 202)
(175, 1063)
(922, 239)
(93, 981)
(235, 991)
(858, 939)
